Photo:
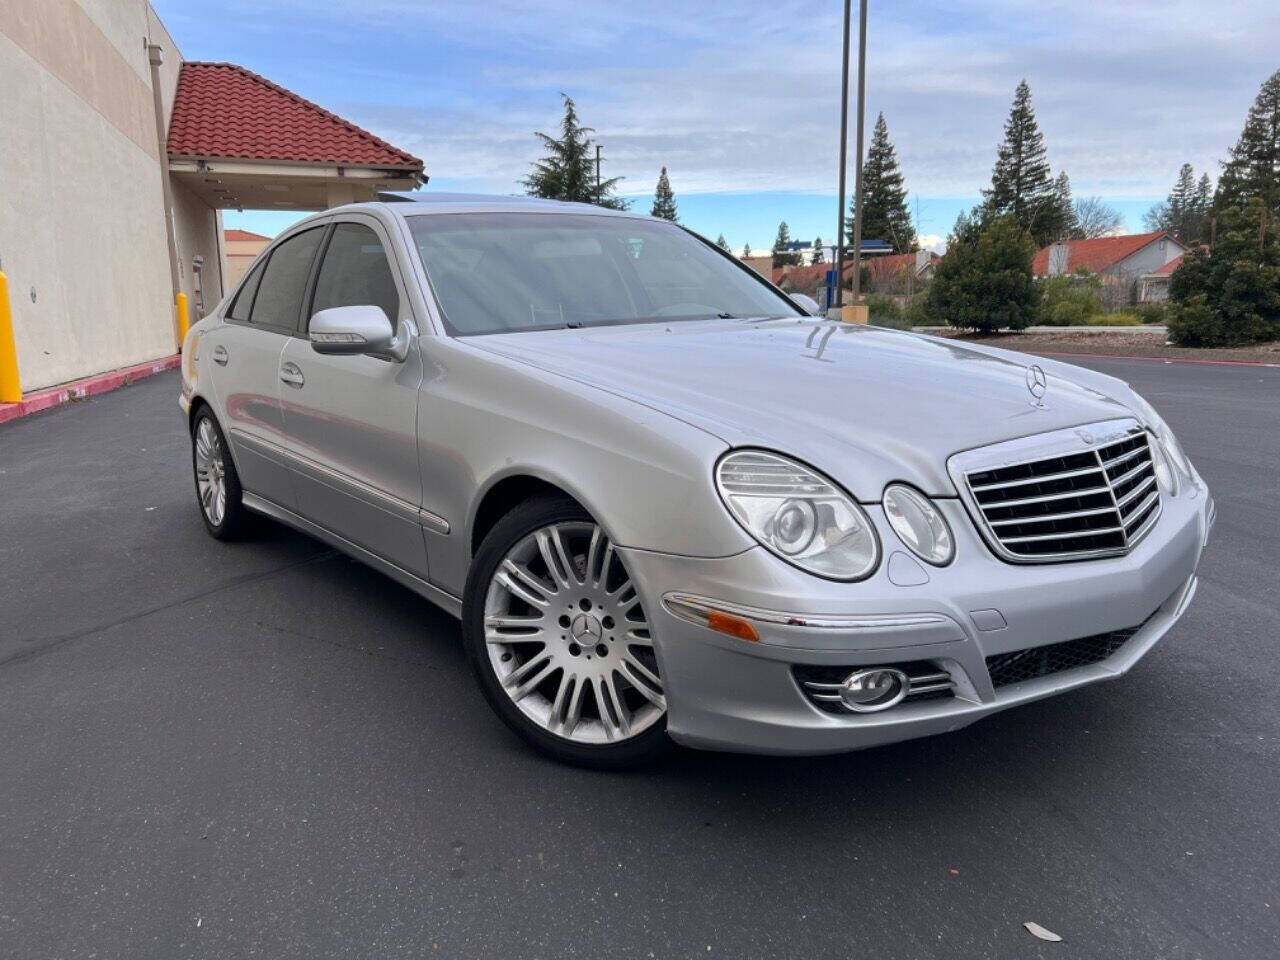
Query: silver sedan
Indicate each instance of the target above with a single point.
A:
(669, 504)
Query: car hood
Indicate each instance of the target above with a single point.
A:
(865, 405)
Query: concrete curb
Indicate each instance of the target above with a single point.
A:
(1151, 328)
(88, 387)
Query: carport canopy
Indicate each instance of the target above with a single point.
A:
(239, 141)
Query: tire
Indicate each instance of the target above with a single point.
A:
(218, 492)
(558, 639)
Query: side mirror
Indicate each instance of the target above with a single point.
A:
(351, 331)
(807, 304)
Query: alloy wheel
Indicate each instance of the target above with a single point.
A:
(568, 639)
(211, 472)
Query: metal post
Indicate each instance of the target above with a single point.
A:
(857, 170)
(844, 144)
(599, 193)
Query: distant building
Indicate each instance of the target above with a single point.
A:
(117, 158)
(241, 247)
(1153, 287)
(1119, 262)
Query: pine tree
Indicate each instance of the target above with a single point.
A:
(1020, 183)
(568, 170)
(782, 257)
(746, 251)
(1184, 210)
(884, 199)
(664, 200)
(818, 255)
(1062, 222)
(1253, 169)
(722, 243)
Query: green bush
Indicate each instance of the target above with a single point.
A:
(916, 313)
(1152, 312)
(883, 311)
(1196, 324)
(1069, 301)
(984, 282)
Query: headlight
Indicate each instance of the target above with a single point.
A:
(1169, 446)
(918, 524)
(798, 514)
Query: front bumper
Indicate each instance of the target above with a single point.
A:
(728, 694)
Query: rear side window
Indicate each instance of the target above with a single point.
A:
(355, 272)
(279, 299)
(244, 299)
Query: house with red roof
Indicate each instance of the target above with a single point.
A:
(1119, 262)
(125, 139)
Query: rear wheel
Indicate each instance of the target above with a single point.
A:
(217, 483)
(557, 635)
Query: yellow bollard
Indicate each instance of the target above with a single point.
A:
(183, 324)
(10, 386)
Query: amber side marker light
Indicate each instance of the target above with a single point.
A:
(733, 626)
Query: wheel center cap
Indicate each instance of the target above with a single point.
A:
(585, 629)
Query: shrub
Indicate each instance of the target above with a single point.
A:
(1069, 301)
(984, 282)
(1122, 319)
(916, 313)
(883, 311)
(1196, 324)
(1152, 313)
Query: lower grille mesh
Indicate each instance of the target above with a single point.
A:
(1020, 665)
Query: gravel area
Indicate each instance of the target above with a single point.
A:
(1113, 344)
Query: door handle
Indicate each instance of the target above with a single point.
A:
(220, 355)
(291, 374)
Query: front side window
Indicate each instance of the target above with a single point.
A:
(355, 272)
(508, 272)
(279, 299)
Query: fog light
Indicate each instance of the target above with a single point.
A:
(877, 688)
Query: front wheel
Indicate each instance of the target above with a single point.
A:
(557, 635)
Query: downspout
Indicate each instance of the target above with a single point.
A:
(155, 56)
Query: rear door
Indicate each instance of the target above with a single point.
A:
(351, 422)
(244, 363)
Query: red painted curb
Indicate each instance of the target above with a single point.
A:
(88, 387)
(1112, 356)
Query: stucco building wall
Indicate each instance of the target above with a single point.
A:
(81, 210)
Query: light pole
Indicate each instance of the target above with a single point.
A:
(844, 139)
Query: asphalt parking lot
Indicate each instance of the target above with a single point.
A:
(266, 749)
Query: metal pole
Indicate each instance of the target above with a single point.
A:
(857, 170)
(599, 194)
(844, 144)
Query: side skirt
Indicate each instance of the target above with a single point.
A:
(445, 601)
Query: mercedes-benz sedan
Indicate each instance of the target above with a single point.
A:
(668, 503)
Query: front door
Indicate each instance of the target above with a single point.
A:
(351, 422)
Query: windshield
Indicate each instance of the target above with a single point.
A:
(507, 272)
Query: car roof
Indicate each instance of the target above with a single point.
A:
(405, 204)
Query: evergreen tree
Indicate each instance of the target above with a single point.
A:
(1184, 211)
(782, 257)
(1020, 183)
(1253, 169)
(1229, 295)
(664, 200)
(1063, 220)
(722, 243)
(746, 251)
(984, 282)
(568, 172)
(884, 198)
(818, 255)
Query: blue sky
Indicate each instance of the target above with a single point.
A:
(741, 100)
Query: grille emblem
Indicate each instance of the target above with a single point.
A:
(1037, 383)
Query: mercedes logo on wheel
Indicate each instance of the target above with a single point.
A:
(1037, 383)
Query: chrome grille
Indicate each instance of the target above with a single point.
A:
(1084, 502)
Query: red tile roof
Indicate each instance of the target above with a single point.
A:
(1098, 254)
(235, 234)
(1169, 267)
(223, 110)
(886, 267)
